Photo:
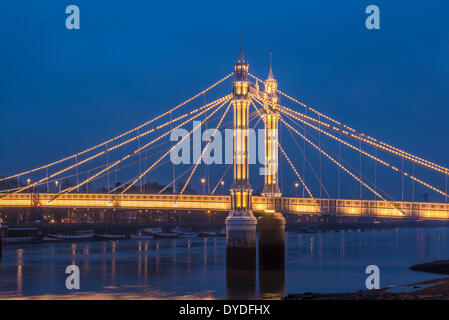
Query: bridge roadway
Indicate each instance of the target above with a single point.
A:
(409, 210)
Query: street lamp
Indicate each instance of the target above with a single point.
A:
(56, 184)
(296, 187)
(203, 181)
(222, 186)
(28, 182)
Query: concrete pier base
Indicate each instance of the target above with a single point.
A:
(271, 241)
(241, 255)
(241, 230)
(241, 241)
(241, 284)
(272, 255)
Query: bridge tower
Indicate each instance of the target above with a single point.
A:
(271, 223)
(241, 223)
(270, 116)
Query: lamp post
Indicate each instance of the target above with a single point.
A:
(296, 187)
(56, 185)
(222, 186)
(203, 181)
(28, 182)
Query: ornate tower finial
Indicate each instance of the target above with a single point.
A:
(241, 46)
(271, 116)
(271, 84)
(270, 74)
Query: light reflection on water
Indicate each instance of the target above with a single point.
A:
(195, 268)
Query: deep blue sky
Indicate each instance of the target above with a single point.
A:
(61, 90)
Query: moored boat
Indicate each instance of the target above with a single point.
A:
(147, 233)
(82, 235)
(141, 236)
(165, 235)
(185, 232)
(308, 229)
(111, 236)
(207, 234)
(17, 235)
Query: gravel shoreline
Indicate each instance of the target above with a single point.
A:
(436, 289)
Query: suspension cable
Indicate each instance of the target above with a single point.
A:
(308, 162)
(296, 142)
(205, 149)
(221, 179)
(358, 135)
(125, 183)
(334, 161)
(168, 152)
(141, 148)
(370, 156)
(177, 178)
(371, 141)
(121, 135)
(98, 167)
(294, 169)
(343, 161)
(103, 165)
(134, 162)
(208, 107)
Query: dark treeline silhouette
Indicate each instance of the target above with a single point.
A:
(7, 185)
(149, 188)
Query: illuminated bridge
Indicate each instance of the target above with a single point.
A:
(260, 205)
(136, 153)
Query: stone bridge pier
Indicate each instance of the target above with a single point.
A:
(241, 224)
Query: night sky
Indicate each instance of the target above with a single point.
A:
(63, 90)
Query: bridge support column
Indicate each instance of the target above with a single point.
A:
(241, 283)
(241, 224)
(241, 256)
(271, 241)
(272, 223)
(241, 241)
(270, 116)
(271, 255)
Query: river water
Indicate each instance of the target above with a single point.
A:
(196, 267)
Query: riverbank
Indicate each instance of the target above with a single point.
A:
(436, 289)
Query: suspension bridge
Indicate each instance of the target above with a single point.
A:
(147, 148)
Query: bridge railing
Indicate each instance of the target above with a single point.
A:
(126, 201)
(368, 208)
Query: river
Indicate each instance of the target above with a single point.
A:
(195, 268)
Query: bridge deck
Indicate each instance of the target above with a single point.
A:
(413, 210)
